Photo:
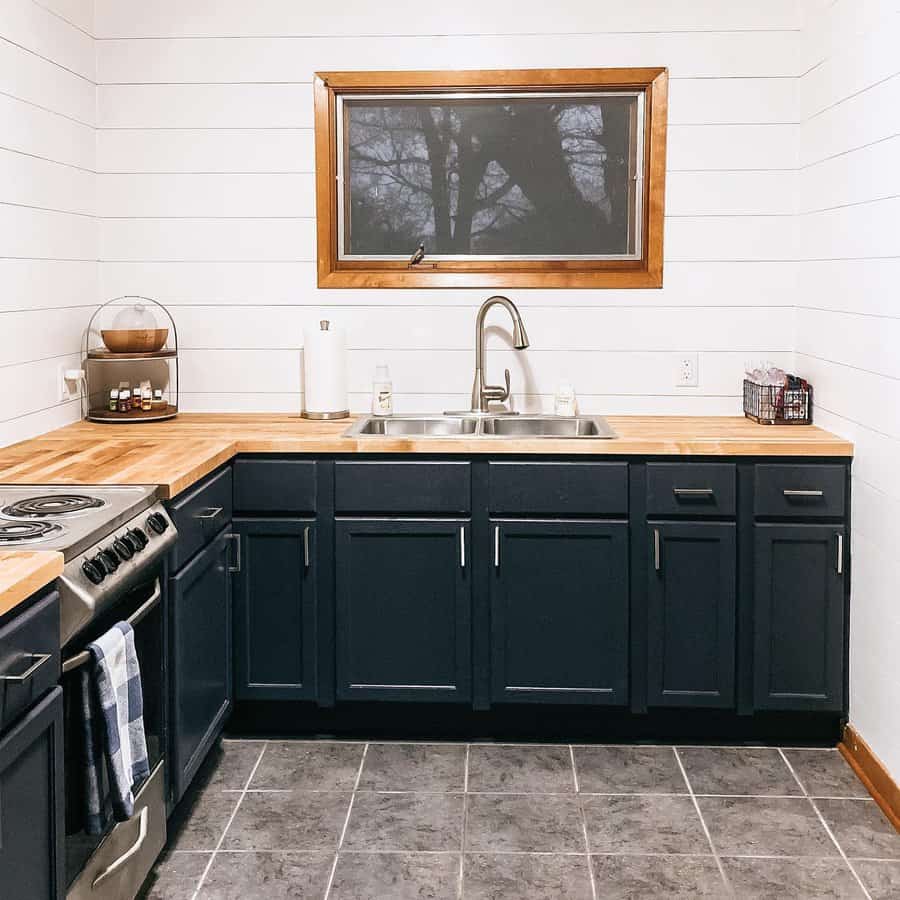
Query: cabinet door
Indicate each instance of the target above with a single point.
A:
(200, 615)
(32, 804)
(799, 617)
(691, 614)
(403, 593)
(559, 612)
(275, 610)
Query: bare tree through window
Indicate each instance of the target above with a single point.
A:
(511, 176)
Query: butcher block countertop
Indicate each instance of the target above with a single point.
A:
(24, 572)
(177, 453)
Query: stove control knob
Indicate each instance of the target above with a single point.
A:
(122, 549)
(101, 562)
(139, 537)
(128, 539)
(157, 522)
(94, 573)
(110, 558)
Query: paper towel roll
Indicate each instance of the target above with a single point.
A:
(324, 372)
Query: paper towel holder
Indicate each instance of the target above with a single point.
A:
(325, 325)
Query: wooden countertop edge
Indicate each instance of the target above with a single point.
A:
(24, 572)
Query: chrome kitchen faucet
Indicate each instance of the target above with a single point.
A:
(483, 394)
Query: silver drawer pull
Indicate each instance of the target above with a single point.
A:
(496, 546)
(134, 848)
(306, 547)
(236, 567)
(210, 514)
(39, 660)
(656, 556)
(840, 554)
(693, 492)
(462, 546)
(790, 493)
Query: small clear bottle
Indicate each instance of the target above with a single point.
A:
(382, 392)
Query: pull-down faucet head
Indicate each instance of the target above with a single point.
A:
(482, 393)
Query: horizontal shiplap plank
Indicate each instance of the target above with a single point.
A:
(41, 334)
(131, 18)
(729, 147)
(79, 12)
(38, 30)
(195, 150)
(729, 193)
(865, 230)
(35, 182)
(450, 371)
(42, 284)
(29, 129)
(33, 385)
(730, 238)
(865, 286)
(39, 234)
(210, 283)
(698, 101)
(39, 422)
(28, 77)
(451, 327)
(296, 59)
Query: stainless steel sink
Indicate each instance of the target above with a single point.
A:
(548, 427)
(504, 426)
(414, 426)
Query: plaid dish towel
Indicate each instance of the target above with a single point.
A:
(113, 726)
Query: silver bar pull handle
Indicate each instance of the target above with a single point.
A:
(210, 513)
(797, 493)
(496, 546)
(693, 492)
(656, 555)
(306, 547)
(840, 553)
(39, 660)
(134, 848)
(236, 566)
(462, 546)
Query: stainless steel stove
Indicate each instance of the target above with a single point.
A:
(112, 538)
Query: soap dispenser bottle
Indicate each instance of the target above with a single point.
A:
(382, 392)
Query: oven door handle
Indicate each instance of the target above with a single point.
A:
(79, 659)
(134, 848)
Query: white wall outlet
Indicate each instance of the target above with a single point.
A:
(69, 381)
(687, 373)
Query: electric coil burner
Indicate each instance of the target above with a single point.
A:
(52, 506)
(28, 532)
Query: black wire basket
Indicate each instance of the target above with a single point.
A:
(777, 404)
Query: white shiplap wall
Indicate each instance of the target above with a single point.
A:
(49, 234)
(848, 322)
(206, 196)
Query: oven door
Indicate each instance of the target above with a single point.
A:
(115, 863)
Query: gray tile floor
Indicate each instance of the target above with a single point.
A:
(396, 821)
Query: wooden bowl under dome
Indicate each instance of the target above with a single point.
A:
(134, 340)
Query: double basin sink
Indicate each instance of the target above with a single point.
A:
(499, 426)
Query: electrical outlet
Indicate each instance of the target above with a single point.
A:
(687, 373)
(68, 386)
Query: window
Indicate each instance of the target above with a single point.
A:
(483, 179)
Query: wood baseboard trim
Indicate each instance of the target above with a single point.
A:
(872, 773)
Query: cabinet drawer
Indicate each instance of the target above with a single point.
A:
(703, 489)
(799, 492)
(402, 487)
(200, 514)
(558, 488)
(29, 657)
(274, 486)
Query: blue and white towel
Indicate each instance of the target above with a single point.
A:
(113, 708)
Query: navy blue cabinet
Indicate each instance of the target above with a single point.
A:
(799, 616)
(32, 804)
(559, 612)
(275, 609)
(200, 658)
(691, 589)
(403, 598)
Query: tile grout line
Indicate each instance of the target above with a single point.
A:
(584, 829)
(237, 806)
(465, 822)
(712, 846)
(826, 826)
(337, 852)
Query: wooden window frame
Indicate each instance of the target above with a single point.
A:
(646, 272)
